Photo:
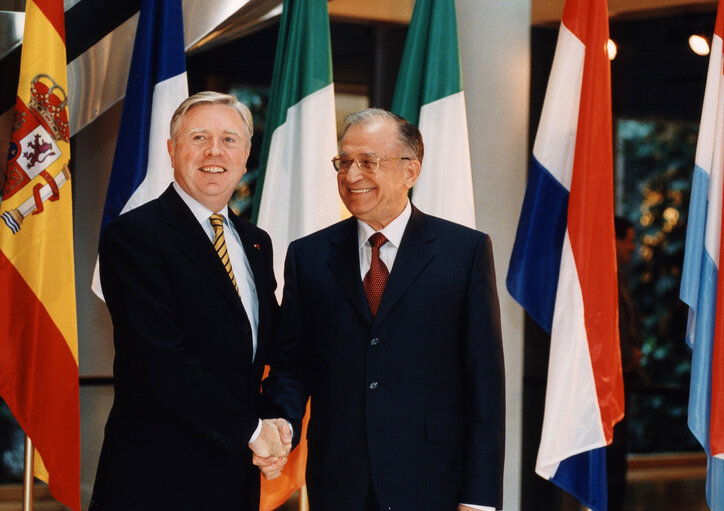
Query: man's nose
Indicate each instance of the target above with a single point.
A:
(213, 146)
(354, 173)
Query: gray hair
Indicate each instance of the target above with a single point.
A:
(406, 132)
(212, 98)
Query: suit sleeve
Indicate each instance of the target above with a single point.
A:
(483, 373)
(151, 354)
(283, 392)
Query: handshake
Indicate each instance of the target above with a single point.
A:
(271, 448)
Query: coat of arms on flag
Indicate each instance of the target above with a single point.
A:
(38, 127)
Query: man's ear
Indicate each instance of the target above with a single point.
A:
(412, 172)
(170, 147)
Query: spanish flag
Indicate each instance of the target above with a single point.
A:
(38, 330)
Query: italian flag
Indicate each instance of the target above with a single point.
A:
(429, 93)
(296, 193)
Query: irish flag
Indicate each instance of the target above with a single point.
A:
(563, 267)
(296, 192)
(38, 331)
(429, 93)
(701, 288)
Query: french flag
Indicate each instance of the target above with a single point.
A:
(156, 86)
(701, 288)
(563, 266)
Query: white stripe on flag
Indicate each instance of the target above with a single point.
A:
(713, 159)
(166, 97)
(446, 165)
(555, 141)
(571, 400)
(706, 137)
(300, 187)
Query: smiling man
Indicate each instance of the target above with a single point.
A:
(390, 322)
(190, 288)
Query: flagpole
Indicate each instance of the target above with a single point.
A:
(28, 475)
(303, 499)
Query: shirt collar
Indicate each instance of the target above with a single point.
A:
(200, 212)
(392, 231)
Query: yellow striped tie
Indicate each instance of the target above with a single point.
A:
(217, 222)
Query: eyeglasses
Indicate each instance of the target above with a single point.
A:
(367, 165)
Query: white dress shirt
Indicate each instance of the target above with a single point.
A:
(388, 252)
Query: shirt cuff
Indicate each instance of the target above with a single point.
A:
(256, 433)
(482, 508)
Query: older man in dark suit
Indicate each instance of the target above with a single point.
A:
(190, 289)
(390, 322)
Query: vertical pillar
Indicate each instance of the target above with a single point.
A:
(495, 54)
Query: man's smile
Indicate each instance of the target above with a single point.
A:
(212, 169)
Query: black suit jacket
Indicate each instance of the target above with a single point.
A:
(186, 391)
(412, 400)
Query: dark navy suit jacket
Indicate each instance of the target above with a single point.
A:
(186, 391)
(412, 400)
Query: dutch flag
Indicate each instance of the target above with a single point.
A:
(700, 288)
(156, 86)
(563, 266)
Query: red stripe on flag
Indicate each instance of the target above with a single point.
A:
(716, 419)
(590, 208)
(719, 26)
(53, 11)
(39, 382)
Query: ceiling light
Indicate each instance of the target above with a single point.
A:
(612, 49)
(699, 44)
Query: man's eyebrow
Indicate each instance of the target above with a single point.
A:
(367, 155)
(206, 130)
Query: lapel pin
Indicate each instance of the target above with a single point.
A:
(256, 246)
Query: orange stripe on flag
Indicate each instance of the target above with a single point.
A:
(275, 492)
(40, 382)
(53, 10)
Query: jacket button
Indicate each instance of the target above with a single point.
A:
(374, 342)
(374, 385)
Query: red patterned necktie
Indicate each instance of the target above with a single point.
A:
(376, 278)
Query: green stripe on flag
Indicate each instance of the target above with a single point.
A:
(430, 68)
(298, 70)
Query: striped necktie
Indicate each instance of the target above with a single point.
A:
(217, 222)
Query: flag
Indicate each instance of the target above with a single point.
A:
(156, 86)
(38, 330)
(429, 93)
(296, 192)
(701, 289)
(563, 266)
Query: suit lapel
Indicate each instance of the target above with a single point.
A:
(344, 263)
(193, 242)
(415, 252)
(253, 250)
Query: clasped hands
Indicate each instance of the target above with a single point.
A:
(272, 447)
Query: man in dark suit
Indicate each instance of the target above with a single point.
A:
(396, 339)
(190, 289)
